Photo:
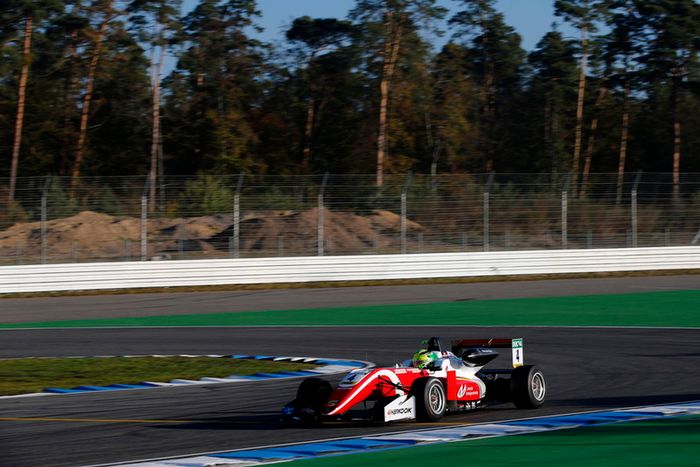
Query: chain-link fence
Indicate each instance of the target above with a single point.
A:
(111, 219)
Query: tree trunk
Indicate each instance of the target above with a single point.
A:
(308, 135)
(82, 135)
(310, 118)
(555, 133)
(155, 130)
(21, 96)
(69, 104)
(624, 137)
(549, 150)
(488, 93)
(392, 45)
(490, 114)
(579, 109)
(676, 140)
(591, 140)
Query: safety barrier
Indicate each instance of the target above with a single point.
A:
(96, 276)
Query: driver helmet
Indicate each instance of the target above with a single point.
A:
(423, 358)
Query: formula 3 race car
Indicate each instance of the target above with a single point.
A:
(454, 382)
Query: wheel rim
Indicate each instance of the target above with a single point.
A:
(436, 399)
(538, 386)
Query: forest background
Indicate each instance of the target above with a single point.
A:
(86, 90)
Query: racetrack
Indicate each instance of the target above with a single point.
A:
(586, 368)
(22, 310)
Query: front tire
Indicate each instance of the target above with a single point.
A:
(527, 386)
(312, 395)
(431, 400)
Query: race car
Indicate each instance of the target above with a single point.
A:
(454, 381)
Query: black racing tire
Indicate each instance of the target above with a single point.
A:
(312, 394)
(431, 399)
(314, 391)
(528, 387)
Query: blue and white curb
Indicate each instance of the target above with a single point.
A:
(281, 453)
(326, 366)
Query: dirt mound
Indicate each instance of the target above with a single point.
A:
(297, 232)
(101, 236)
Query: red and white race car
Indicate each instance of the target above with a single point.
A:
(454, 382)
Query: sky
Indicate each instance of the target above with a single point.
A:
(531, 18)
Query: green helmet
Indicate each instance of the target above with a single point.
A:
(423, 358)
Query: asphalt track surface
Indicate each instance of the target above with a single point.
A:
(586, 368)
(13, 310)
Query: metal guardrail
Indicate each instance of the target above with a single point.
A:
(96, 276)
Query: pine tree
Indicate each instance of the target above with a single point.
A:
(673, 28)
(496, 60)
(315, 37)
(622, 47)
(102, 13)
(583, 15)
(554, 76)
(158, 24)
(391, 19)
(27, 13)
(214, 89)
(453, 110)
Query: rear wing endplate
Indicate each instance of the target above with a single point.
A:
(516, 345)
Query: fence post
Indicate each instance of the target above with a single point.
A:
(44, 216)
(694, 241)
(235, 251)
(144, 228)
(634, 209)
(144, 221)
(565, 213)
(487, 208)
(319, 221)
(404, 208)
(280, 245)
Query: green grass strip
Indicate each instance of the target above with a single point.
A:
(28, 375)
(650, 309)
(673, 441)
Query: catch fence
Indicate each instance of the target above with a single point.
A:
(240, 216)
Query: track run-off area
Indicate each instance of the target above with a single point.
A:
(603, 344)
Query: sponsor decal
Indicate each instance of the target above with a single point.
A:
(466, 391)
(517, 352)
(400, 411)
(402, 408)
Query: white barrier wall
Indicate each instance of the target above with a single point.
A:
(93, 276)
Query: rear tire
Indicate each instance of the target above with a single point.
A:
(527, 386)
(431, 399)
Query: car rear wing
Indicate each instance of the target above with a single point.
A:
(515, 344)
